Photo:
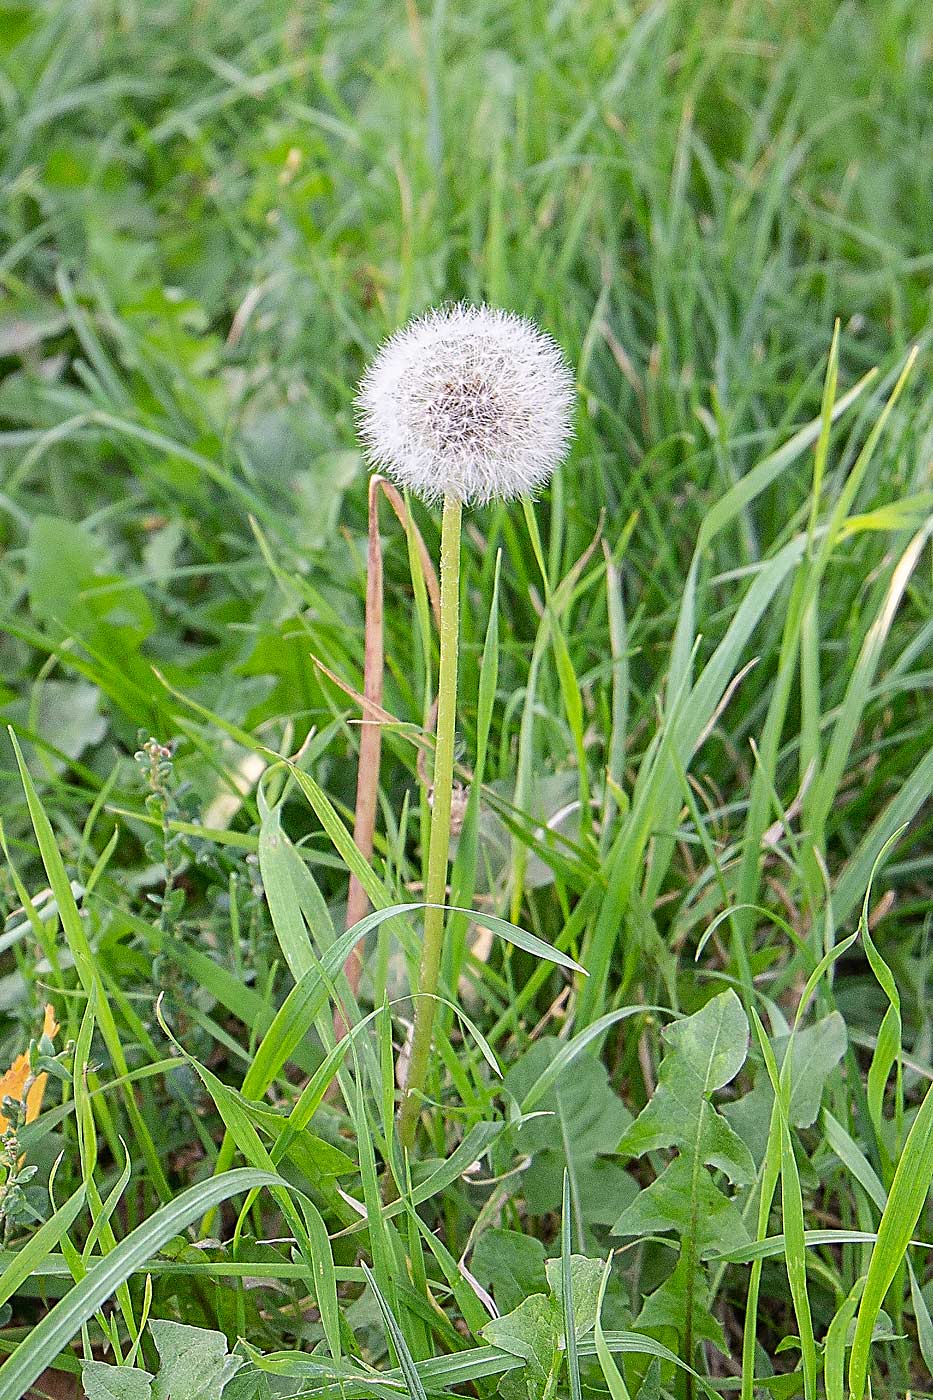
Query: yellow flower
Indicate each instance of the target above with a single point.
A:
(13, 1082)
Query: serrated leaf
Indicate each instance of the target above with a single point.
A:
(535, 1331)
(678, 1201)
(706, 1052)
(667, 1307)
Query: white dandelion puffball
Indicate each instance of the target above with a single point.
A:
(469, 402)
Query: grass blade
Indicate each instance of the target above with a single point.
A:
(570, 1330)
(406, 1362)
(906, 1200)
(55, 1331)
(615, 1384)
(27, 1261)
(84, 961)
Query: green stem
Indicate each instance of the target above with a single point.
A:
(435, 893)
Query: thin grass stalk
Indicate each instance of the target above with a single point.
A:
(438, 853)
(370, 755)
(367, 777)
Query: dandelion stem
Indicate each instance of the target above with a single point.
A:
(439, 849)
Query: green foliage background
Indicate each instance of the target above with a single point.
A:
(695, 701)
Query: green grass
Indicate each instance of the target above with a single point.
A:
(210, 215)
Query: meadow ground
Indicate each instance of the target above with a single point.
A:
(693, 726)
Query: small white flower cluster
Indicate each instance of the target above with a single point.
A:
(470, 402)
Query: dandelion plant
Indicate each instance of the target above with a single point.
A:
(466, 405)
(701, 1163)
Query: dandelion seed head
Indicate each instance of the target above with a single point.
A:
(467, 401)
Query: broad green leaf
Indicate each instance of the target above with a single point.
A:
(706, 1052)
(69, 589)
(578, 1123)
(651, 1385)
(103, 1382)
(667, 1307)
(194, 1362)
(685, 1202)
(248, 1385)
(585, 1277)
(532, 1332)
(66, 715)
(817, 1050)
(510, 1265)
(570, 1050)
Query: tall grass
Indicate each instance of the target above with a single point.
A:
(693, 728)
